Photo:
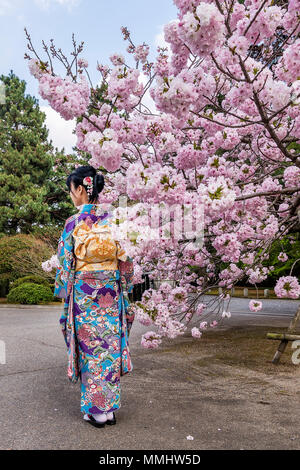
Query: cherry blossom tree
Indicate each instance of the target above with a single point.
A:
(219, 141)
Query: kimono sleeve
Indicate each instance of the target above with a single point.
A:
(126, 269)
(66, 260)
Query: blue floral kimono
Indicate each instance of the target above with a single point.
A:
(94, 276)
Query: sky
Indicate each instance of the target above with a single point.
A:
(96, 22)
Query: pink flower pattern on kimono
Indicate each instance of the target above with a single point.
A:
(96, 321)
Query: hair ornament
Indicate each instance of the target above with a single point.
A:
(88, 181)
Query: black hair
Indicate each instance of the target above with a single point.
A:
(78, 175)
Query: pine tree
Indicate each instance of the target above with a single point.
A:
(31, 192)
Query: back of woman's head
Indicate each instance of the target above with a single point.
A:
(78, 175)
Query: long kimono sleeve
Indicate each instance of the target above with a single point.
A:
(126, 269)
(66, 260)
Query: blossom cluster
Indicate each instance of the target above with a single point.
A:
(214, 126)
(288, 286)
(68, 98)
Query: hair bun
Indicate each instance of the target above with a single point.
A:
(99, 181)
(81, 172)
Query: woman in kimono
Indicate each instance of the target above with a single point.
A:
(94, 275)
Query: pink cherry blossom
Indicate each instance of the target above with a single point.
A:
(210, 127)
(287, 286)
(255, 305)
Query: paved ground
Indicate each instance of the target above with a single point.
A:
(166, 397)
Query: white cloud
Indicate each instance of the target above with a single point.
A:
(8, 7)
(2, 93)
(60, 131)
(159, 39)
(147, 100)
(45, 4)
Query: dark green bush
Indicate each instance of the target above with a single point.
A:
(23, 255)
(33, 278)
(30, 293)
(4, 283)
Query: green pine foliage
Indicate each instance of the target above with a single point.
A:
(290, 245)
(25, 160)
(32, 174)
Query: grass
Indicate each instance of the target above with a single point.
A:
(252, 293)
(240, 347)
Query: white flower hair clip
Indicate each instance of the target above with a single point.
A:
(88, 181)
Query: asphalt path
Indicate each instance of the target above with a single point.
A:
(163, 401)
